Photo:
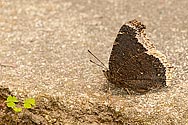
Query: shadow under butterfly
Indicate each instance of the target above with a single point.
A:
(134, 63)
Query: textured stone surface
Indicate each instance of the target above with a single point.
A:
(47, 41)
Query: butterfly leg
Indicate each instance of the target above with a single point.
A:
(128, 91)
(109, 93)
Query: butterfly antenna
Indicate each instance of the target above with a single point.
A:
(103, 66)
(96, 63)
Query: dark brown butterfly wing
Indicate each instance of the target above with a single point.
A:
(134, 62)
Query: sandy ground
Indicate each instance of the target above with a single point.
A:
(47, 42)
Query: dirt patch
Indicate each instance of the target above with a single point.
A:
(53, 110)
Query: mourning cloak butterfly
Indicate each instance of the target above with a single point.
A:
(134, 63)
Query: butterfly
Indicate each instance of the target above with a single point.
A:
(134, 63)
